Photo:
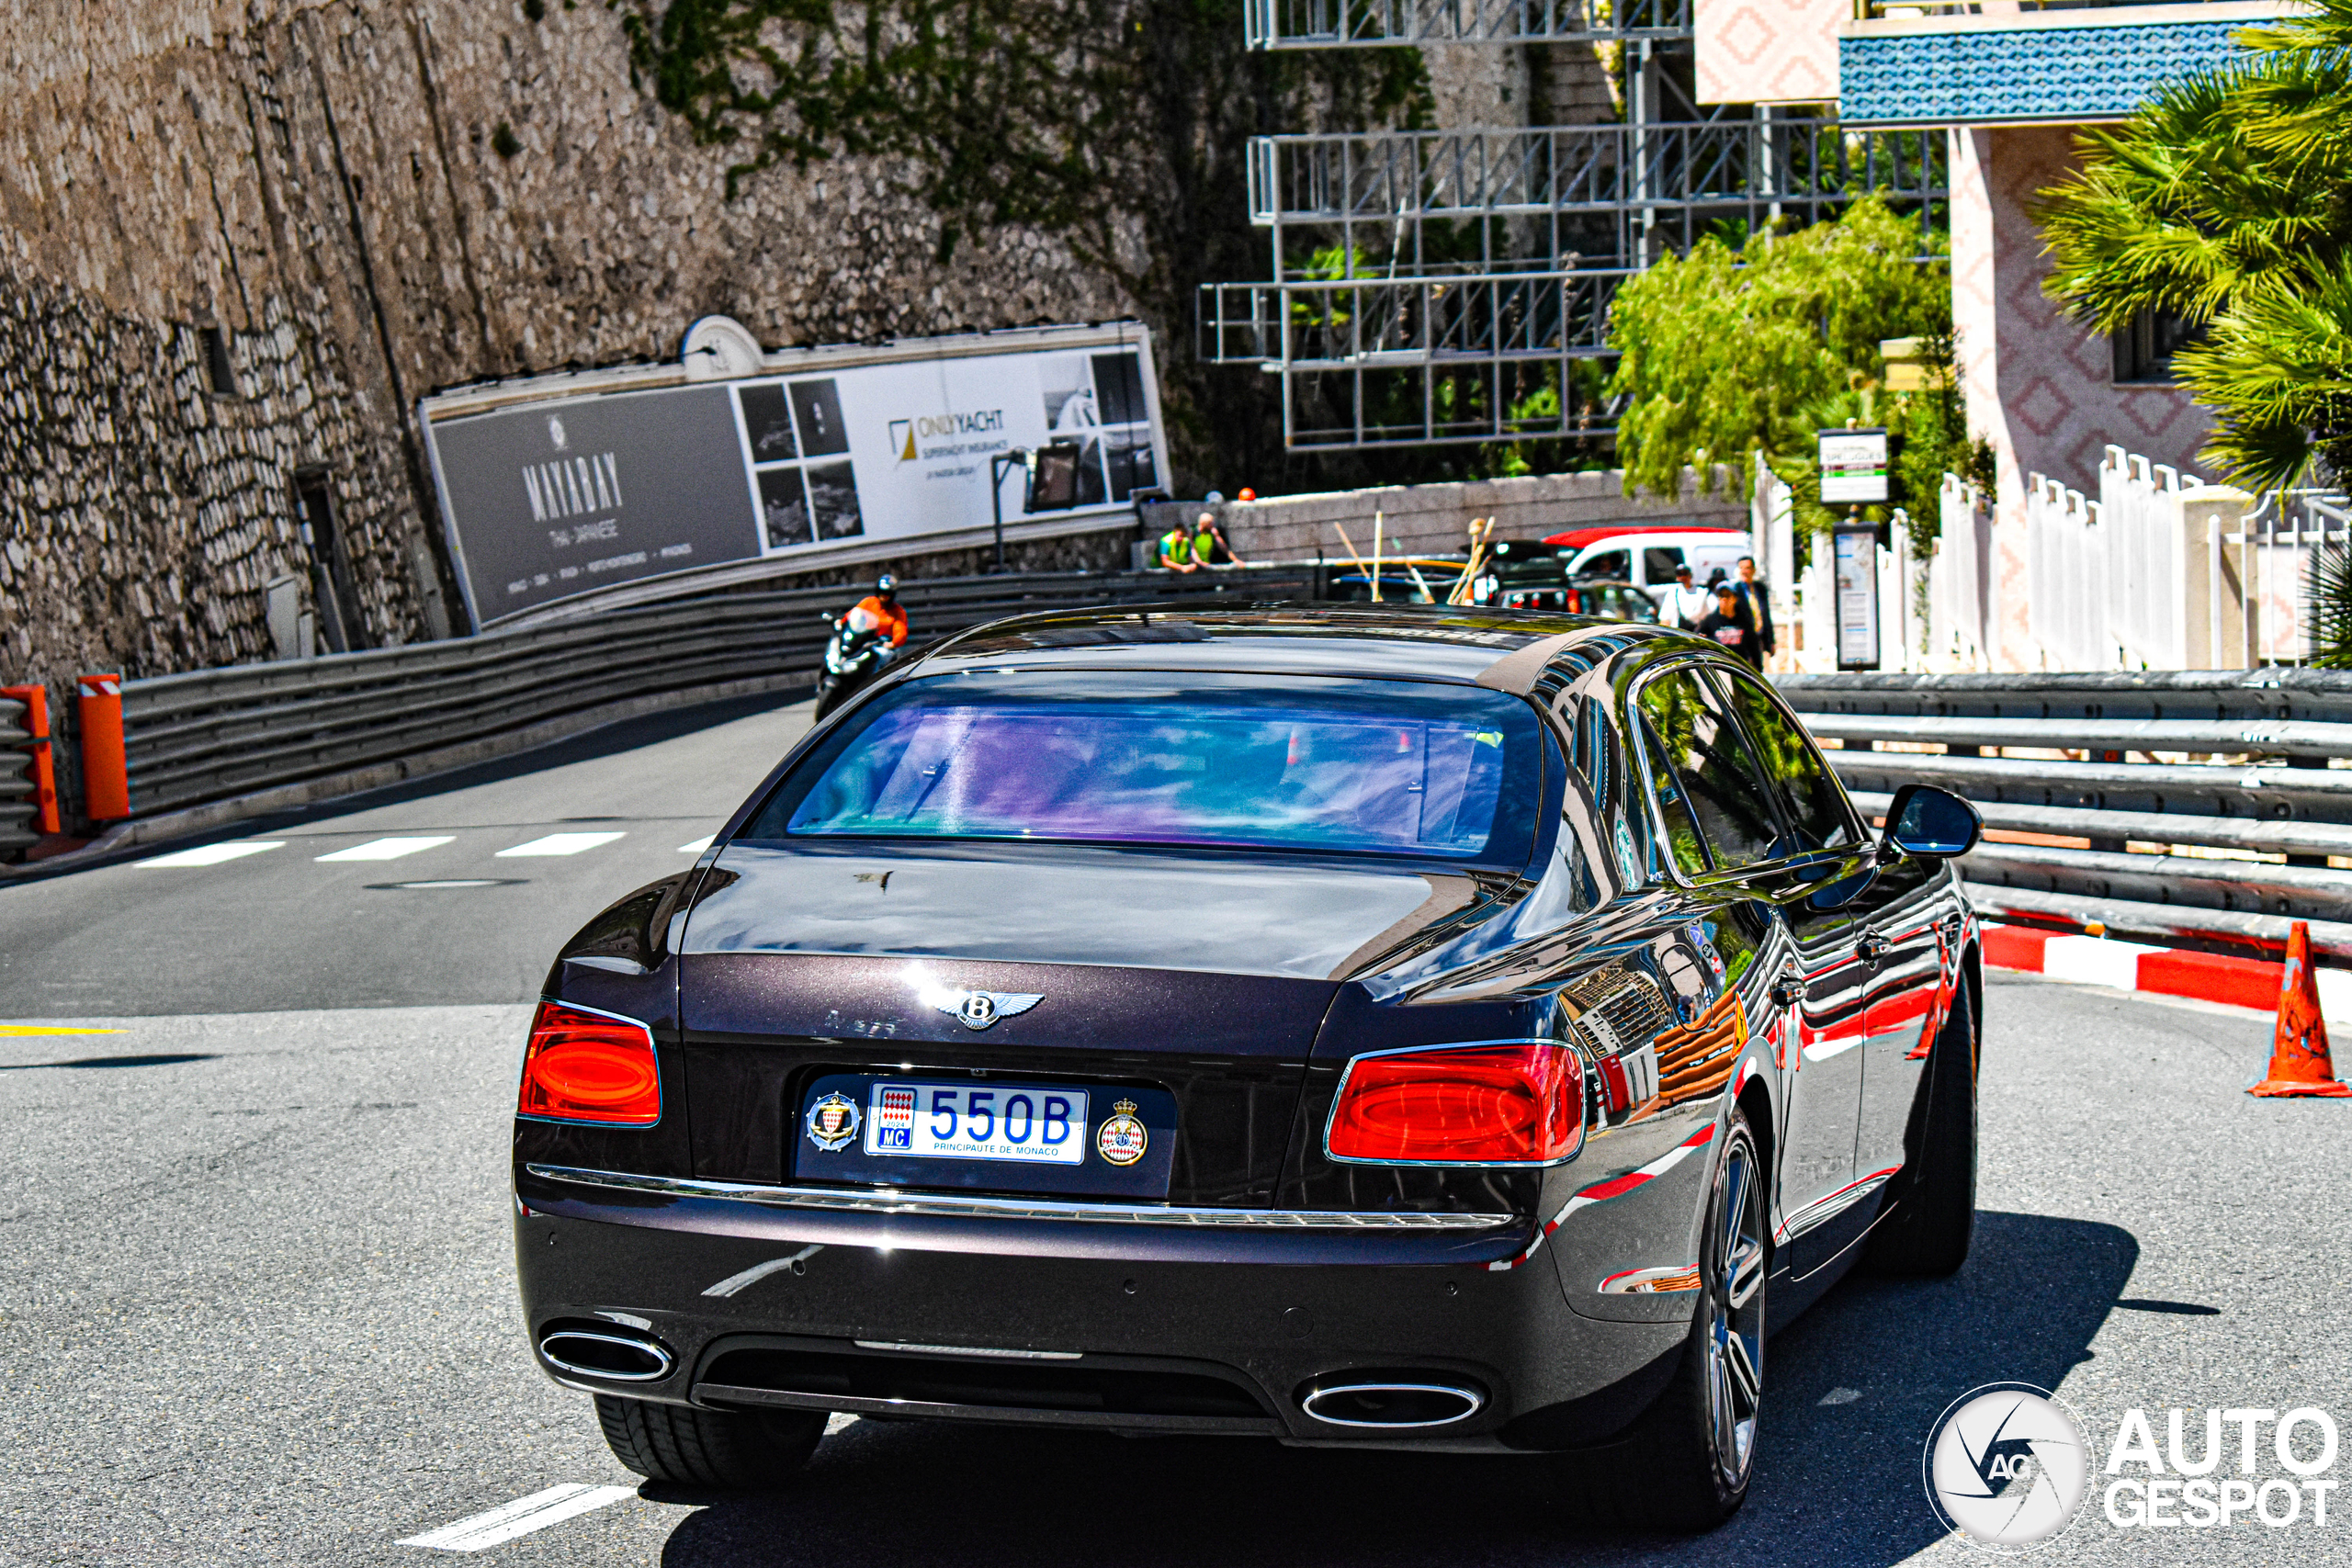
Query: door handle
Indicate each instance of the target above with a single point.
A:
(1873, 947)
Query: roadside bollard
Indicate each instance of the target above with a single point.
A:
(44, 768)
(106, 771)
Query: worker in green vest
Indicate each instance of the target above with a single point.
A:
(1175, 551)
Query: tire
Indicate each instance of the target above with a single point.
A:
(732, 1450)
(1935, 1212)
(1685, 1464)
(829, 691)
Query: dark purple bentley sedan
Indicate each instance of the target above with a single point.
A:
(1413, 1028)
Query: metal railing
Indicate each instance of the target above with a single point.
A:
(17, 807)
(218, 733)
(2234, 764)
(1341, 24)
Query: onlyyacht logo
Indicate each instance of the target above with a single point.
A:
(2006, 1466)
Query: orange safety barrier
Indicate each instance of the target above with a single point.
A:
(106, 773)
(2300, 1064)
(44, 768)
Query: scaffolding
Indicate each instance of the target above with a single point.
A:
(1433, 287)
(1361, 24)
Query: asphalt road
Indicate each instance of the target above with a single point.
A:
(256, 1300)
(280, 929)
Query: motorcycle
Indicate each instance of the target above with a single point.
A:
(856, 654)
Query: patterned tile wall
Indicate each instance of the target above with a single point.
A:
(1768, 51)
(2040, 388)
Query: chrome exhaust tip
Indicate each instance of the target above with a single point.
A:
(1391, 1406)
(608, 1358)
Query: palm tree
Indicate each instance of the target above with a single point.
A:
(2226, 202)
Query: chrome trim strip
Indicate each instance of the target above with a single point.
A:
(989, 1351)
(1822, 1210)
(890, 1202)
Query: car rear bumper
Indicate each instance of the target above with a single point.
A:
(1125, 1324)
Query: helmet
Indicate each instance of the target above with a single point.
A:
(887, 587)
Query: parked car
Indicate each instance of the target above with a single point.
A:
(1523, 580)
(1364, 1027)
(1647, 554)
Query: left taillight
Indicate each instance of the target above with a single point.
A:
(590, 1067)
(1511, 1103)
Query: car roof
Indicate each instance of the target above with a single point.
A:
(1421, 643)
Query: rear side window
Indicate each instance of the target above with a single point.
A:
(1659, 562)
(1681, 828)
(1715, 767)
(1351, 767)
(1816, 805)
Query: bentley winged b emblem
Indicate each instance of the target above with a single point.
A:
(978, 1010)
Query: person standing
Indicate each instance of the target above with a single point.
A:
(1687, 602)
(1729, 624)
(1757, 595)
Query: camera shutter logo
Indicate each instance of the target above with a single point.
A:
(2006, 1466)
(903, 439)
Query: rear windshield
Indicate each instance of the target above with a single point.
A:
(1326, 766)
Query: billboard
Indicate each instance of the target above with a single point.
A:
(571, 484)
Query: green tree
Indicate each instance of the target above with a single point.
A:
(1729, 354)
(2226, 202)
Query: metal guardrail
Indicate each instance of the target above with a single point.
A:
(217, 733)
(17, 807)
(2237, 762)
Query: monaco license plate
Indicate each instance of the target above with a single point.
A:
(966, 1121)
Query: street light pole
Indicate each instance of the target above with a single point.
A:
(998, 466)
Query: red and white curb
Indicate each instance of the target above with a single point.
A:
(2166, 971)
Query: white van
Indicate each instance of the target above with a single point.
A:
(1648, 553)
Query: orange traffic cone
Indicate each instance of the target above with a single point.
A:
(2300, 1064)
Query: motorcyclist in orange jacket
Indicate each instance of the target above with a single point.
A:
(879, 610)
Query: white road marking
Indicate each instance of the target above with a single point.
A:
(521, 1517)
(214, 855)
(388, 849)
(697, 847)
(562, 844)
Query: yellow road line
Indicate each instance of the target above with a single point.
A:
(50, 1029)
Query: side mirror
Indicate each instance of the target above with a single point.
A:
(1931, 823)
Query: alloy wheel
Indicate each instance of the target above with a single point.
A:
(1735, 1304)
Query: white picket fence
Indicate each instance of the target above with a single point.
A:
(1964, 582)
(2160, 571)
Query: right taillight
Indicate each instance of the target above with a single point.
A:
(590, 1067)
(1517, 1103)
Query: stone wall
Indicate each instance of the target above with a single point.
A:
(366, 199)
